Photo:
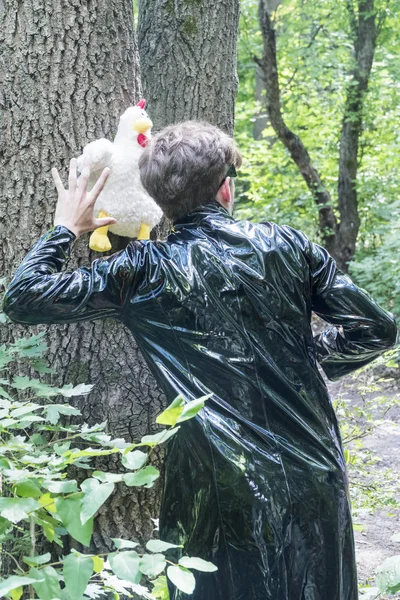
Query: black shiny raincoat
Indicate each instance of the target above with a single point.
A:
(257, 482)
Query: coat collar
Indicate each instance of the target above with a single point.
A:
(203, 215)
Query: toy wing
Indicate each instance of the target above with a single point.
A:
(96, 155)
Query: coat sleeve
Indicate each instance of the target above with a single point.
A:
(361, 330)
(41, 292)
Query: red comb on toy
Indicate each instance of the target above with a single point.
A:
(142, 103)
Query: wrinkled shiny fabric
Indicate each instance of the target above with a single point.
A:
(257, 482)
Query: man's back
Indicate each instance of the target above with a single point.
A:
(256, 483)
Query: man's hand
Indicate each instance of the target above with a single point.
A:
(75, 205)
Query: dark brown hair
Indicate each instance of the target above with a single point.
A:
(185, 164)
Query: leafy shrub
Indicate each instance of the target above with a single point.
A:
(40, 499)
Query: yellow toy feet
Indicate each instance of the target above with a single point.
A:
(144, 232)
(99, 239)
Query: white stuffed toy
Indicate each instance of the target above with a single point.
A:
(123, 196)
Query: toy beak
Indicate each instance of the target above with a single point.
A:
(142, 125)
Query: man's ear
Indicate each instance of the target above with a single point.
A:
(224, 193)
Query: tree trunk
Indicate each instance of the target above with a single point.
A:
(298, 152)
(188, 60)
(338, 238)
(365, 34)
(69, 69)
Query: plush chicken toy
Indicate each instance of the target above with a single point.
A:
(123, 196)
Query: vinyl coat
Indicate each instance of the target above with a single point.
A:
(257, 482)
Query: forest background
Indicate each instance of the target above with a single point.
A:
(317, 121)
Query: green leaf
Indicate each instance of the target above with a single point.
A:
(119, 543)
(33, 561)
(17, 593)
(152, 564)
(41, 366)
(77, 572)
(41, 390)
(108, 477)
(143, 478)
(197, 563)
(95, 495)
(171, 414)
(28, 488)
(68, 486)
(126, 565)
(30, 347)
(388, 575)
(23, 410)
(160, 589)
(46, 586)
(98, 564)
(134, 460)
(16, 509)
(54, 411)
(160, 546)
(183, 579)
(69, 511)
(192, 408)
(79, 390)
(5, 394)
(14, 582)
(158, 438)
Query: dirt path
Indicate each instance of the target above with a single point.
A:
(373, 543)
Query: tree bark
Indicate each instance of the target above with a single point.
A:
(365, 34)
(339, 238)
(68, 70)
(327, 219)
(188, 60)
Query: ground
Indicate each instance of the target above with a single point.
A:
(373, 543)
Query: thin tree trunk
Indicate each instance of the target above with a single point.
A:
(188, 60)
(365, 35)
(68, 70)
(339, 238)
(298, 152)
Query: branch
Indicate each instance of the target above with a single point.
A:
(292, 142)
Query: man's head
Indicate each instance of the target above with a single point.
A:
(187, 165)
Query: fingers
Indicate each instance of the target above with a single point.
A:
(100, 183)
(104, 221)
(83, 181)
(72, 176)
(57, 181)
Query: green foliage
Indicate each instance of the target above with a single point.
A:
(39, 499)
(315, 61)
(388, 575)
(371, 486)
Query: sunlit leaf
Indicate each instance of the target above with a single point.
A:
(160, 546)
(183, 579)
(143, 478)
(96, 494)
(77, 572)
(152, 564)
(197, 563)
(126, 565)
(14, 582)
(69, 510)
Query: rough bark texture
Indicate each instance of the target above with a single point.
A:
(338, 237)
(188, 60)
(68, 70)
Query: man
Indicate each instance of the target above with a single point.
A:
(257, 482)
